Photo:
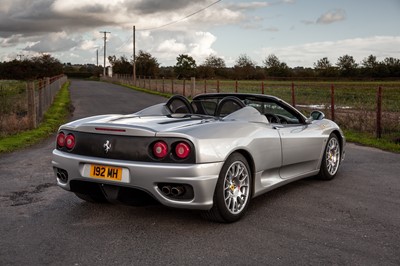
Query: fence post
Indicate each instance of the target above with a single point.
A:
(217, 86)
(47, 93)
(293, 96)
(262, 87)
(30, 87)
(205, 86)
(172, 86)
(236, 86)
(184, 87)
(332, 102)
(149, 82)
(193, 86)
(379, 113)
(163, 84)
(42, 99)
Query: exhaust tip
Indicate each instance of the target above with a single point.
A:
(62, 175)
(177, 191)
(166, 190)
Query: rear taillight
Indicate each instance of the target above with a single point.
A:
(160, 149)
(172, 150)
(70, 141)
(61, 139)
(182, 150)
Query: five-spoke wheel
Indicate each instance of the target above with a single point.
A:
(331, 159)
(233, 192)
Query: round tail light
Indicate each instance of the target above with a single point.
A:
(61, 139)
(160, 149)
(70, 141)
(182, 150)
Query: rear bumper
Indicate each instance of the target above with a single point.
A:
(146, 176)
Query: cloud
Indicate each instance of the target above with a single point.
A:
(171, 46)
(196, 44)
(55, 42)
(271, 29)
(247, 5)
(201, 45)
(332, 16)
(307, 54)
(156, 6)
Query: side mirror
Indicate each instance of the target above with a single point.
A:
(317, 115)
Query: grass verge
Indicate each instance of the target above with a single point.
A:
(162, 94)
(53, 118)
(371, 141)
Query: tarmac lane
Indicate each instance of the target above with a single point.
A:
(351, 220)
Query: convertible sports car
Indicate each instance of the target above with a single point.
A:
(213, 154)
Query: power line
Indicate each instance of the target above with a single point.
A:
(162, 26)
(179, 20)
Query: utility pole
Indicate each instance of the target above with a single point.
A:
(105, 45)
(134, 55)
(97, 57)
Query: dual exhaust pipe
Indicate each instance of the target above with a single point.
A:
(173, 191)
(62, 175)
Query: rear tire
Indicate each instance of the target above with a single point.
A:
(331, 159)
(233, 191)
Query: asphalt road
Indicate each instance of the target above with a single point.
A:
(351, 220)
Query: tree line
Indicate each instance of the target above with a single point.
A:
(37, 67)
(245, 68)
(213, 67)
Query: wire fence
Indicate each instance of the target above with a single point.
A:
(23, 104)
(369, 107)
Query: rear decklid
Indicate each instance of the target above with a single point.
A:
(134, 125)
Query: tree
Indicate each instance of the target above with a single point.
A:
(347, 66)
(212, 66)
(185, 66)
(275, 68)
(324, 68)
(34, 68)
(244, 67)
(214, 62)
(146, 64)
(371, 67)
(120, 65)
(370, 62)
(48, 66)
(393, 66)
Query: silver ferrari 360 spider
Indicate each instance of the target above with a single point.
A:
(214, 153)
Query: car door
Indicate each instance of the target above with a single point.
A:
(301, 149)
(301, 142)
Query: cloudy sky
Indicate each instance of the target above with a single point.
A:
(299, 32)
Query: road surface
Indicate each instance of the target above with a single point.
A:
(351, 220)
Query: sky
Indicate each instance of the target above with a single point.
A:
(298, 32)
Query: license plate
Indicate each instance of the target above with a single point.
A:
(106, 172)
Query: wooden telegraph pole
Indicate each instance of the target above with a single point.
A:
(134, 56)
(105, 45)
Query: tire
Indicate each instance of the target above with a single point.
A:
(233, 191)
(331, 159)
(92, 198)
